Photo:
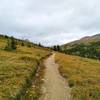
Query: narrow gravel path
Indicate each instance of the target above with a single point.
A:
(54, 87)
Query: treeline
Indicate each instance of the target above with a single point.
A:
(13, 42)
(88, 51)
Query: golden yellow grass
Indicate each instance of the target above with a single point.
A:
(83, 76)
(16, 67)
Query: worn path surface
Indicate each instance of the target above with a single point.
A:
(54, 87)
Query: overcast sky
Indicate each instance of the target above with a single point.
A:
(50, 21)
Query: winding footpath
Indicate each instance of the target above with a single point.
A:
(55, 87)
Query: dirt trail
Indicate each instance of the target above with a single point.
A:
(54, 87)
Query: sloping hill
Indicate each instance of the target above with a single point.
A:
(82, 74)
(85, 47)
(85, 40)
(18, 68)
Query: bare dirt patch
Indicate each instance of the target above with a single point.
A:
(55, 87)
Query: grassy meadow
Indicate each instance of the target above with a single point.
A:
(83, 76)
(17, 69)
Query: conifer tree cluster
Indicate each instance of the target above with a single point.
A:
(11, 44)
(57, 48)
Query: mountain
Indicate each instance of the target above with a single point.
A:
(84, 40)
(88, 46)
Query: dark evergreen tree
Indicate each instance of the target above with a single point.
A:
(54, 48)
(6, 36)
(11, 44)
(58, 48)
(40, 44)
(22, 44)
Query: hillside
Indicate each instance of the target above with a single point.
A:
(18, 69)
(82, 75)
(86, 47)
(85, 40)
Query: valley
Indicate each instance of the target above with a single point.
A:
(33, 72)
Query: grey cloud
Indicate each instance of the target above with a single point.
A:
(49, 21)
